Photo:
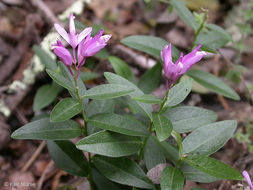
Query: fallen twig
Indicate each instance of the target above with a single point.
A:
(45, 11)
(34, 156)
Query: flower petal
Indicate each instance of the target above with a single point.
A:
(247, 178)
(72, 28)
(190, 59)
(83, 34)
(64, 55)
(104, 39)
(62, 32)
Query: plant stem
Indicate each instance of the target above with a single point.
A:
(85, 134)
(144, 143)
(201, 26)
(164, 101)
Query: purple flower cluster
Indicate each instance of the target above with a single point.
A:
(173, 71)
(87, 45)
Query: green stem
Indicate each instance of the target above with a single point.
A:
(85, 134)
(201, 26)
(164, 101)
(144, 144)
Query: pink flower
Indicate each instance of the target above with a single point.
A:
(247, 178)
(72, 38)
(90, 46)
(63, 54)
(173, 71)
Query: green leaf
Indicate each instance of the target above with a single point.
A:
(82, 89)
(45, 58)
(121, 68)
(151, 79)
(163, 126)
(123, 171)
(65, 109)
(118, 123)
(68, 158)
(187, 118)
(107, 91)
(213, 83)
(152, 154)
(148, 44)
(179, 92)
(195, 175)
(168, 150)
(110, 144)
(45, 95)
(172, 179)
(213, 39)
(219, 30)
(116, 79)
(184, 13)
(59, 79)
(100, 106)
(97, 107)
(148, 99)
(85, 76)
(102, 182)
(214, 167)
(43, 129)
(209, 138)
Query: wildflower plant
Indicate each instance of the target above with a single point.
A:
(123, 137)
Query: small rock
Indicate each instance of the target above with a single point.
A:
(155, 173)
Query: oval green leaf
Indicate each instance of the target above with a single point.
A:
(43, 129)
(163, 126)
(172, 179)
(184, 13)
(65, 109)
(149, 44)
(193, 174)
(179, 92)
(45, 58)
(118, 123)
(59, 79)
(123, 171)
(151, 79)
(97, 107)
(187, 118)
(213, 83)
(121, 68)
(148, 99)
(107, 91)
(116, 79)
(45, 95)
(68, 158)
(102, 182)
(214, 167)
(152, 154)
(110, 144)
(209, 138)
